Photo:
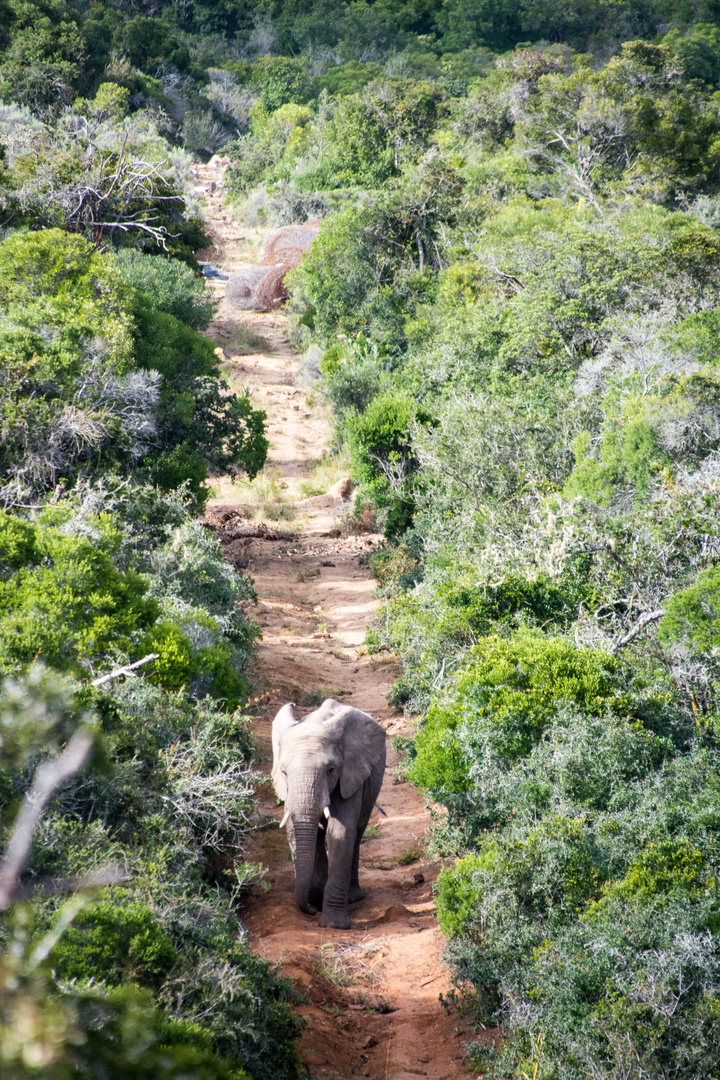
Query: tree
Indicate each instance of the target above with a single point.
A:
(282, 81)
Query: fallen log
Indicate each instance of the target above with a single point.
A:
(252, 532)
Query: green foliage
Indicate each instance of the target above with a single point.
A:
(114, 941)
(77, 601)
(540, 914)
(271, 148)
(282, 80)
(169, 286)
(457, 895)
(693, 615)
(150, 42)
(89, 983)
(371, 266)
(515, 299)
(349, 78)
(511, 688)
(67, 603)
(381, 456)
(57, 286)
(372, 133)
(96, 1032)
(170, 469)
(99, 374)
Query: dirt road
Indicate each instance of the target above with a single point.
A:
(372, 1003)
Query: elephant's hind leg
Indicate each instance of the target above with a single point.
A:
(356, 892)
(371, 790)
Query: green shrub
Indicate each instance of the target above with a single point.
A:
(282, 80)
(114, 941)
(170, 800)
(68, 603)
(179, 465)
(168, 285)
(693, 615)
(54, 277)
(175, 664)
(99, 371)
(657, 872)
(458, 898)
(382, 459)
(96, 1032)
(331, 360)
(511, 688)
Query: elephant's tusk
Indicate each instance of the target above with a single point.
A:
(326, 812)
(284, 821)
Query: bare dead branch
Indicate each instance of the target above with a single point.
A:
(104, 875)
(128, 669)
(648, 617)
(49, 777)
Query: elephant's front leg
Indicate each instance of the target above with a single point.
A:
(341, 840)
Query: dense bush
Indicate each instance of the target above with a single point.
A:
(599, 927)
(516, 322)
(514, 294)
(507, 693)
(73, 593)
(168, 798)
(63, 599)
(98, 375)
(113, 942)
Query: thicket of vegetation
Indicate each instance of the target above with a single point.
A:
(515, 293)
(515, 296)
(122, 954)
(113, 416)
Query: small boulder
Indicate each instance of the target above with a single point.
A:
(343, 489)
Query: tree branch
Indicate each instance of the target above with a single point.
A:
(49, 776)
(648, 617)
(128, 669)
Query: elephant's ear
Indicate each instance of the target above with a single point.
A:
(363, 741)
(282, 723)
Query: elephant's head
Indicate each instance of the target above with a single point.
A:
(335, 746)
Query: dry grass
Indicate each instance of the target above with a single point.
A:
(240, 339)
(283, 512)
(323, 473)
(348, 963)
(410, 855)
(266, 496)
(313, 698)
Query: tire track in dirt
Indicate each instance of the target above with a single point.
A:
(372, 1005)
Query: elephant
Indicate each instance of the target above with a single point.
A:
(328, 770)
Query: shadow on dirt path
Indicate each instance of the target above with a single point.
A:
(372, 1005)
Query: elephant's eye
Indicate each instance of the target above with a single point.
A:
(330, 769)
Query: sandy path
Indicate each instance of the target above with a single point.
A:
(372, 1004)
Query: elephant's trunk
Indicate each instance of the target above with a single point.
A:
(308, 795)
(305, 843)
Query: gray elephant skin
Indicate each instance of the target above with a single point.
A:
(328, 770)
